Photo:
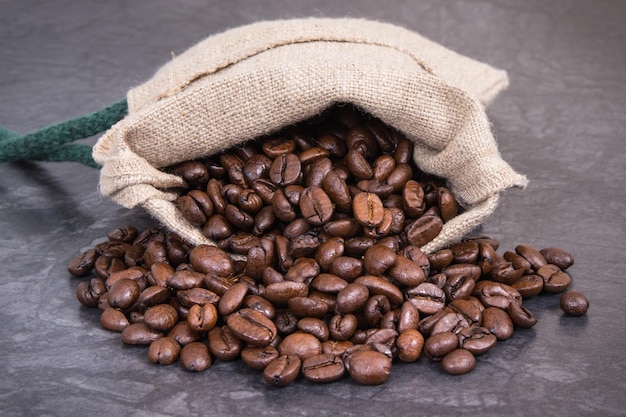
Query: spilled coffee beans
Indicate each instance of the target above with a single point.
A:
(330, 215)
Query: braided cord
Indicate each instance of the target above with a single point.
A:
(53, 143)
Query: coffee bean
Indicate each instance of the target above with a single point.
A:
(558, 257)
(88, 292)
(458, 362)
(410, 343)
(162, 317)
(498, 322)
(369, 367)
(532, 255)
(477, 340)
(521, 316)
(252, 326)
(224, 343)
(257, 357)
(323, 368)
(183, 334)
(163, 351)
(554, 280)
(202, 318)
(574, 303)
(352, 298)
(139, 334)
(83, 264)
(283, 370)
(368, 209)
(195, 357)
(496, 294)
(423, 230)
(114, 320)
(209, 259)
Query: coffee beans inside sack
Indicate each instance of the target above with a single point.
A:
(318, 271)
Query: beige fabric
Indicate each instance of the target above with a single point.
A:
(256, 79)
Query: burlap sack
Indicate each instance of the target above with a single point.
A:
(254, 80)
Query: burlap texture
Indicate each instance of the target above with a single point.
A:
(256, 79)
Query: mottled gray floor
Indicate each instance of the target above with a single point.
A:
(561, 122)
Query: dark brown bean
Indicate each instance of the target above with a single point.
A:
(574, 303)
(195, 357)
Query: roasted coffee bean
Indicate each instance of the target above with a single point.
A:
(378, 259)
(211, 260)
(259, 303)
(83, 264)
(369, 367)
(521, 316)
(554, 280)
(468, 309)
(184, 280)
(342, 326)
(498, 322)
(199, 296)
(408, 317)
(439, 345)
(303, 270)
(477, 340)
(496, 294)
(283, 370)
(451, 321)
(357, 246)
(315, 206)
(447, 204)
(286, 322)
(323, 368)
(301, 344)
(529, 285)
(574, 303)
(399, 176)
(532, 255)
(308, 307)
(258, 357)
(406, 272)
(505, 273)
(162, 317)
(458, 286)
(410, 343)
(139, 334)
(518, 262)
(427, 298)
(337, 190)
(423, 230)
(352, 298)
(440, 259)
(346, 267)
(106, 266)
(195, 357)
(558, 257)
(232, 298)
(114, 320)
(123, 294)
(280, 292)
(163, 351)
(224, 344)
(314, 326)
(328, 252)
(184, 334)
(252, 327)
(368, 209)
(413, 199)
(336, 347)
(202, 318)
(88, 292)
(193, 172)
(458, 362)
(375, 308)
(380, 286)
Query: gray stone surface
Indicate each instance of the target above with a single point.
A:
(561, 122)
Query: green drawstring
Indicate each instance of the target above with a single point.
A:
(53, 143)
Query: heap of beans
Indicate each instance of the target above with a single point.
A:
(331, 215)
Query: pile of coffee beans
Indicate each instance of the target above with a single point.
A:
(330, 215)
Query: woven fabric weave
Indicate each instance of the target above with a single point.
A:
(254, 80)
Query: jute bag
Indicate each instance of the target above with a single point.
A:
(256, 79)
